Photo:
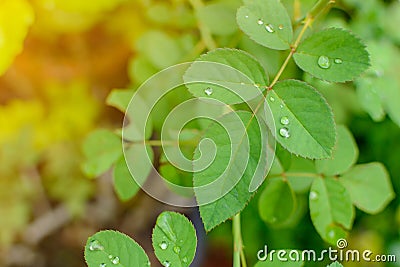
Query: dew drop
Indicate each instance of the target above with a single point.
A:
(166, 263)
(313, 195)
(242, 83)
(102, 265)
(110, 256)
(280, 27)
(115, 260)
(185, 260)
(163, 245)
(338, 61)
(331, 234)
(281, 105)
(260, 22)
(181, 241)
(285, 120)
(208, 91)
(177, 250)
(272, 99)
(284, 132)
(95, 246)
(269, 28)
(323, 62)
(247, 16)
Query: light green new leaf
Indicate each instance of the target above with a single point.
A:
(369, 186)
(228, 75)
(344, 155)
(334, 55)
(335, 264)
(277, 202)
(218, 17)
(304, 122)
(331, 209)
(174, 240)
(112, 248)
(120, 98)
(293, 258)
(266, 22)
(224, 188)
(125, 185)
(101, 149)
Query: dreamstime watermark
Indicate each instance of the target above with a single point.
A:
(332, 254)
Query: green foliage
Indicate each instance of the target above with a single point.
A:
(369, 187)
(277, 202)
(239, 79)
(266, 22)
(334, 55)
(102, 149)
(124, 185)
(305, 120)
(331, 209)
(107, 248)
(222, 189)
(344, 155)
(174, 240)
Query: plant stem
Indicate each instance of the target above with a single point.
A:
(239, 258)
(205, 33)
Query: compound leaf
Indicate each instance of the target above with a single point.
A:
(174, 240)
(369, 186)
(266, 22)
(334, 55)
(331, 209)
(112, 248)
(228, 75)
(302, 120)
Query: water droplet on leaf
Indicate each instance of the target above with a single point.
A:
(280, 27)
(185, 259)
(284, 132)
(115, 260)
(260, 22)
(110, 256)
(285, 120)
(338, 61)
(323, 62)
(163, 245)
(208, 91)
(102, 265)
(272, 99)
(269, 28)
(166, 263)
(313, 195)
(177, 249)
(281, 105)
(95, 246)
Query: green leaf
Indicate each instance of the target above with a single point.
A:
(369, 186)
(344, 155)
(120, 98)
(137, 126)
(302, 120)
(225, 186)
(335, 264)
(277, 202)
(294, 259)
(369, 98)
(228, 75)
(219, 18)
(101, 149)
(125, 185)
(266, 22)
(301, 174)
(112, 248)
(331, 209)
(16, 16)
(334, 55)
(174, 240)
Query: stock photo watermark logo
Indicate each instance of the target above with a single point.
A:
(223, 154)
(340, 253)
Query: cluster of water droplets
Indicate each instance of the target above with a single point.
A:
(176, 249)
(284, 121)
(325, 63)
(268, 26)
(95, 245)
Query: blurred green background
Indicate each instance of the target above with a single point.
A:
(59, 59)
